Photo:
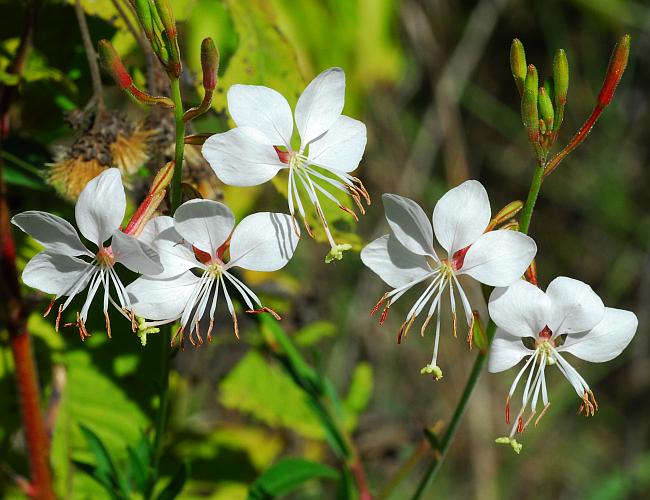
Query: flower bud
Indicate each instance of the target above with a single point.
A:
(518, 64)
(209, 63)
(505, 214)
(166, 14)
(153, 199)
(545, 108)
(560, 86)
(143, 10)
(115, 67)
(529, 113)
(615, 69)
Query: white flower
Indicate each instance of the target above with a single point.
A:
(331, 145)
(192, 247)
(58, 270)
(407, 256)
(569, 317)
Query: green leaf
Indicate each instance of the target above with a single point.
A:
(17, 177)
(176, 483)
(360, 389)
(314, 333)
(104, 470)
(286, 476)
(263, 57)
(138, 468)
(265, 391)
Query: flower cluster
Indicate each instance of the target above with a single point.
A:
(182, 259)
(568, 318)
(188, 260)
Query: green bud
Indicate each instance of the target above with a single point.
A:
(518, 63)
(170, 36)
(143, 10)
(545, 106)
(560, 86)
(548, 87)
(529, 114)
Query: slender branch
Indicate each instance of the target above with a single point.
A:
(440, 453)
(13, 309)
(166, 349)
(405, 469)
(533, 193)
(180, 143)
(93, 65)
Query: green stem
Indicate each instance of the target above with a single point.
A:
(450, 433)
(165, 348)
(180, 143)
(529, 206)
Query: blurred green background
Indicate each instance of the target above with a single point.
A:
(431, 80)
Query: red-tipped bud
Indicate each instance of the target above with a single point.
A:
(155, 196)
(115, 67)
(615, 69)
(529, 114)
(209, 63)
(113, 64)
(518, 63)
(505, 214)
(210, 66)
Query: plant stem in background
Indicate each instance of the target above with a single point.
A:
(91, 55)
(13, 309)
(166, 348)
(180, 143)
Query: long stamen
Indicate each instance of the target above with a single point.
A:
(231, 309)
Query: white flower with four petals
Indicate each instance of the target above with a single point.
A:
(192, 246)
(407, 257)
(568, 318)
(331, 145)
(60, 271)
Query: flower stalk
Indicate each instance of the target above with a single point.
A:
(615, 71)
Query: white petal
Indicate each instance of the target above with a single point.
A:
(158, 299)
(392, 262)
(606, 340)
(263, 242)
(522, 309)
(506, 352)
(154, 228)
(409, 224)
(51, 231)
(134, 254)
(264, 109)
(54, 273)
(461, 216)
(575, 307)
(341, 148)
(206, 224)
(101, 206)
(499, 258)
(175, 254)
(240, 159)
(320, 105)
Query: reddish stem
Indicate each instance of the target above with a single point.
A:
(26, 378)
(12, 306)
(359, 475)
